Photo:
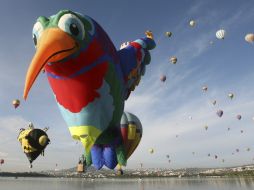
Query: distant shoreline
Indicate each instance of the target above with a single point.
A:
(130, 176)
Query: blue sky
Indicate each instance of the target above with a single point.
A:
(163, 108)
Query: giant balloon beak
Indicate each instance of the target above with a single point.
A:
(53, 45)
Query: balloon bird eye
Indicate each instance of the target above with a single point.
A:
(72, 25)
(37, 30)
(35, 39)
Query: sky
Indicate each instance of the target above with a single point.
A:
(225, 66)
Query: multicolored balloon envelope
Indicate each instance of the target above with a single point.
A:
(129, 133)
(90, 79)
(131, 130)
(33, 142)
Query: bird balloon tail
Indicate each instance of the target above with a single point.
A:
(134, 56)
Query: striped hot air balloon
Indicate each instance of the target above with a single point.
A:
(220, 34)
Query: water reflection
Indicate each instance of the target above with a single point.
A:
(128, 184)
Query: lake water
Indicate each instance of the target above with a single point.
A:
(127, 184)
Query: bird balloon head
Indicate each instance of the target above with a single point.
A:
(57, 38)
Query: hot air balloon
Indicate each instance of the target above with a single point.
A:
(239, 117)
(167, 156)
(215, 156)
(248, 149)
(169, 161)
(214, 102)
(237, 150)
(173, 60)
(163, 78)
(241, 131)
(151, 150)
(219, 113)
(192, 23)
(2, 161)
(231, 95)
(249, 38)
(16, 103)
(220, 34)
(168, 34)
(228, 128)
(33, 142)
(90, 80)
(119, 170)
(206, 127)
(131, 132)
(209, 155)
(205, 88)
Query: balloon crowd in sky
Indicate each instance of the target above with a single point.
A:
(91, 80)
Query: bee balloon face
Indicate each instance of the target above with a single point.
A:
(33, 142)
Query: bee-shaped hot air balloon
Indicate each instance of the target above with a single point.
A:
(33, 142)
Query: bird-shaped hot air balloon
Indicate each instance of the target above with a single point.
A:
(90, 80)
(33, 141)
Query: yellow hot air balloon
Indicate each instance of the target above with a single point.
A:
(192, 23)
(173, 60)
(151, 150)
(206, 127)
(249, 38)
(16, 103)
